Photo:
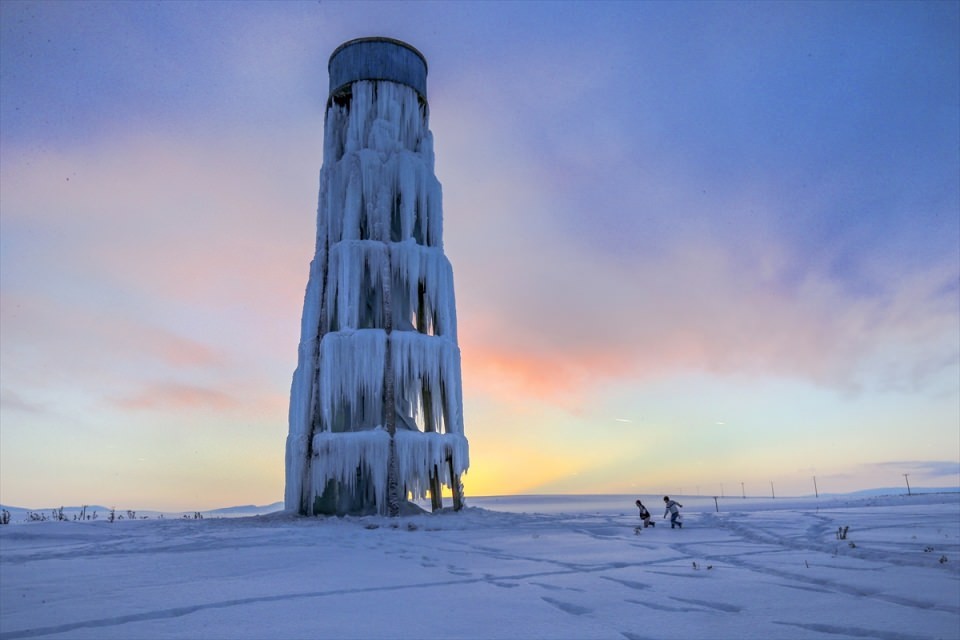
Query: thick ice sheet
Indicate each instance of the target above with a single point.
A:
(523, 567)
(379, 317)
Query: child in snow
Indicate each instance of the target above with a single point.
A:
(645, 515)
(673, 511)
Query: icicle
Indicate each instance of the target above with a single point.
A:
(301, 388)
(414, 264)
(384, 137)
(351, 181)
(434, 206)
(354, 271)
(379, 212)
(420, 453)
(351, 372)
(338, 456)
(432, 361)
(406, 191)
(381, 116)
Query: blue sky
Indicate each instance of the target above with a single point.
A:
(695, 244)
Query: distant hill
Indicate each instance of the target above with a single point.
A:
(248, 509)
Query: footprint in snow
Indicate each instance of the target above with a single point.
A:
(567, 607)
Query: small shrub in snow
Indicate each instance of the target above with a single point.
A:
(4, 517)
(842, 533)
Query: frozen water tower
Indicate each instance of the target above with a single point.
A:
(375, 406)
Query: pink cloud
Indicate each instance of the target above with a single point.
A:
(182, 352)
(709, 287)
(172, 396)
(56, 335)
(142, 251)
(561, 330)
(199, 221)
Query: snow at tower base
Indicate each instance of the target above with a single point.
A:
(375, 405)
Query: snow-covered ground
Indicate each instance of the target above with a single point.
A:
(518, 567)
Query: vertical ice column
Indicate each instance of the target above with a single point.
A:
(375, 404)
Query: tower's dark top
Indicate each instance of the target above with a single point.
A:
(377, 59)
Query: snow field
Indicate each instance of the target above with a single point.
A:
(753, 572)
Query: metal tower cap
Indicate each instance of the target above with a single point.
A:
(377, 58)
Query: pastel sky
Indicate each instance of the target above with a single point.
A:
(695, 244)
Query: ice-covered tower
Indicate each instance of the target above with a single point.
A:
(375, 405)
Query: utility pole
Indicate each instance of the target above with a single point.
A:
(743, 491)
(772, 494)
(815, 491)
(721, 491)
(906, 476)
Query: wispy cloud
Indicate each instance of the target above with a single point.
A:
(12, 401)
(572, 275)
(593, 242)
(573, 321)
(928, 470)
(174, 397)
(82, 342)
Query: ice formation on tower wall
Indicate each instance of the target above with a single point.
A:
(379, 318)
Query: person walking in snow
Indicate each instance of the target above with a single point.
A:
(673, 511)
(645, 515)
